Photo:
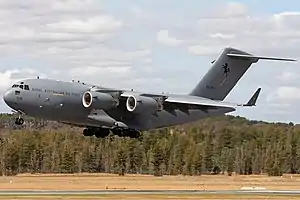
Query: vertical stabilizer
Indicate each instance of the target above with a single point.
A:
(225, 72)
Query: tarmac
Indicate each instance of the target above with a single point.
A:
(144, 192)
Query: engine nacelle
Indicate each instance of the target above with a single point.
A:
(98, 100)
(141, 104)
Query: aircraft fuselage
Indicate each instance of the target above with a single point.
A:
(62, 101)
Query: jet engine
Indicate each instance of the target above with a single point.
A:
(141, 104)
(98, 100)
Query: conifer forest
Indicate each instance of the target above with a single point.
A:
(219, 145)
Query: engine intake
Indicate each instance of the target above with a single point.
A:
(141, 104)
(98, 100)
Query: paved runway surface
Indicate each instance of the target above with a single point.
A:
(144, 192)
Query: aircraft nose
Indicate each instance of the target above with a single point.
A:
(8, 97)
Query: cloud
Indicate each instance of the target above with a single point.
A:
(287, 20)
(95, 24)
(222, 36)
(234, 24)
(8, 77)
(89, 71)
(164, 38)
(288, 77)
(203, 49)
(229, 10)
(63, 32)
(285, 94)
(141, 14)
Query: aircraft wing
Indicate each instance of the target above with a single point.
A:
(186, 102)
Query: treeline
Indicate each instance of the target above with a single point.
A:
(223, 145)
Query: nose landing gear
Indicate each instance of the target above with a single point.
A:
(19, 121)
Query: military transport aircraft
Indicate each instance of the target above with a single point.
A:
(126, 112)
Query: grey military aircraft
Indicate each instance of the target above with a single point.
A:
(127, 113)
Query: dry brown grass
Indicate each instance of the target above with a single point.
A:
(110, 181)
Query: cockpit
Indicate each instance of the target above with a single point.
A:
(22, 86)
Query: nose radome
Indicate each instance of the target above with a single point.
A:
(7, 97)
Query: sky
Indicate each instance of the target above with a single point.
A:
(155, 46)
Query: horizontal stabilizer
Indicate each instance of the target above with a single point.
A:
(258, 57)
(253, 99)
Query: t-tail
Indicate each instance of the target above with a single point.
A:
(225, 72)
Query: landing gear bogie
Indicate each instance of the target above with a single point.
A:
(104, 132)
(131, 133)
(97, 132)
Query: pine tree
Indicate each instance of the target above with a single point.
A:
(121, 161)
(157, 159)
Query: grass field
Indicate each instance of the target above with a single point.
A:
(111, 182)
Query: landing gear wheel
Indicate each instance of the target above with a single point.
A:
(102, 133)
(118, 132)
(127, 133)
(134, 134)
(19, 121)
(87, 132)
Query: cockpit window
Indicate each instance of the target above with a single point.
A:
(22, 86)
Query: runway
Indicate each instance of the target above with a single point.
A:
(144, 192)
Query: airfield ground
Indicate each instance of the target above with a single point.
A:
(157, 197)
(144, 182)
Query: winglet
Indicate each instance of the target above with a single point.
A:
(253, 99)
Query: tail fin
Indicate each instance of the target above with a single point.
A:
(225, 72)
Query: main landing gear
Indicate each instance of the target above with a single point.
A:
(126, 133)
(104, 132)
(19, 121)
(98, 132)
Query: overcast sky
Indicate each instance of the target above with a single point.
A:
(155, 46)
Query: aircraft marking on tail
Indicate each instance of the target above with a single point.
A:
(226, 70)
